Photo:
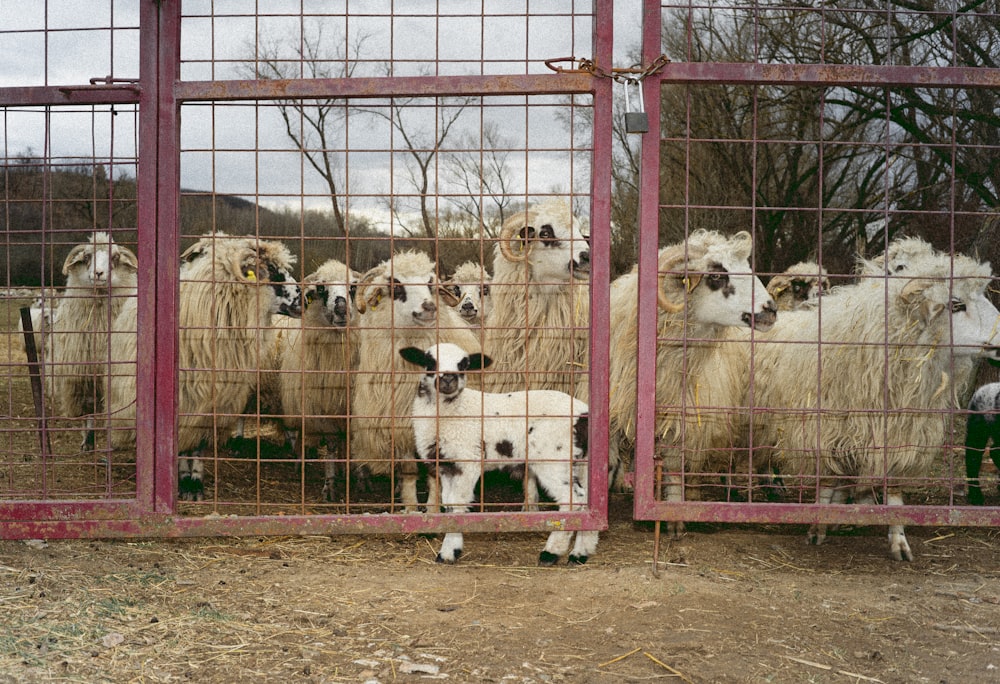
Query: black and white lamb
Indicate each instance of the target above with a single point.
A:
(982, 427)
(465, 433)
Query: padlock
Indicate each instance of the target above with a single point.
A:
(635, 121)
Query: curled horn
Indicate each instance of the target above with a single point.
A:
(671, 262)
(359, 294)
(509, 229)
(915, 286)
(444, 291)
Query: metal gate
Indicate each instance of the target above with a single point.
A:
(443, 133)
(825, 133)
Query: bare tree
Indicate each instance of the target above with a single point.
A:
(312, 125)
(809, 167)
(481, 170)
(422, 141)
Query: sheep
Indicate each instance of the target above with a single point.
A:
(898, 255)
(101, 276)
(41, 312)
(229, 289)
(398, 300)
(466, 433)
(470, 283)
(847, 400)
(316, 360)
(982, 429)
(799, 286)
(538, 328)
(706, 288)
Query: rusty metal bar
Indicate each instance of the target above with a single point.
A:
(37, 96)
(65, 522)
(859, 75)
(359, 88)
(857, 514)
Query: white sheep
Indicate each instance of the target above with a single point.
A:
(229, 289)
(706, 289)
(40, 313)
(854, 396)
(799, 286)
(100, 279)
(897, 256)
(465, 433)
(399, 302)
(538, 328)
(316, 362)
(470, 284)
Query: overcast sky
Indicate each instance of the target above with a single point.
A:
(68, 42)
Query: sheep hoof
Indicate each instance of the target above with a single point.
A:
(902, 552)
(547, 559)
(328, 491)
(975, 497)
(442, 559)
(576, 560)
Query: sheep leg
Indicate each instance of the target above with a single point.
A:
(616, 466)
(675, 492)
(975, 447)
(408, 484)
(331, 471)
(88, 442)
(898, 546)
(190, 484)
(530, 491)
(569, 489)
(827, 495)
(458, 488)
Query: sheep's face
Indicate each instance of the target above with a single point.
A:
(719, 285)
(445, 365)
(334, 299)
(552, 240)
(287, 294)
(473, 300)
(956, 313)
(100, 263)
(800, 287)
(412, 300)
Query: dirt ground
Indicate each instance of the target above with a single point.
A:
(753, 604)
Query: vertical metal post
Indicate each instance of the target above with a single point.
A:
(35, 376)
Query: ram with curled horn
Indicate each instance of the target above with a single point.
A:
(538, 328)
(706, 290)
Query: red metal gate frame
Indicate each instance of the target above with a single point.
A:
(159, 94)
(646, 504)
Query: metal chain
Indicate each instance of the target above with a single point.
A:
(633, 74)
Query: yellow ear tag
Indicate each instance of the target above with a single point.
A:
(378, 299)
(251, 276)
(309, 297)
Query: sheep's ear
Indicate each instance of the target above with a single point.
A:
(125, 256)
(252, 268)
(914, 296)
(415, 356)
(479, 361)
(777, 285)
(78, 255)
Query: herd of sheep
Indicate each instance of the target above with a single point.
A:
(847, 391)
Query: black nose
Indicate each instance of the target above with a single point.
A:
(584, 258)
(340, 306)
